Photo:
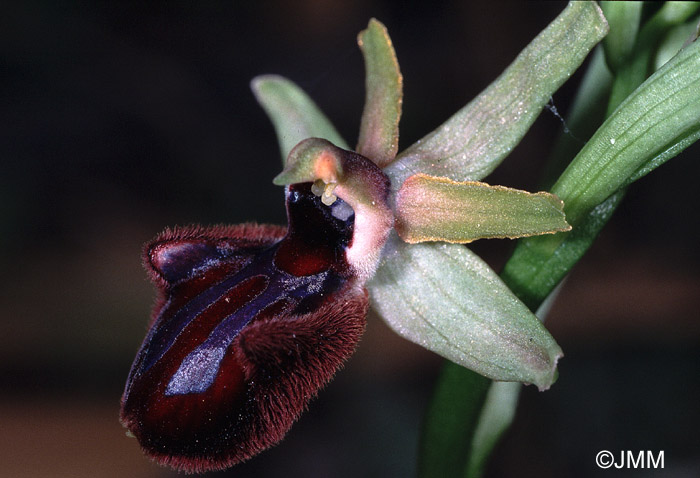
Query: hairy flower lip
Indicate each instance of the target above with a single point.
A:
(250, 322)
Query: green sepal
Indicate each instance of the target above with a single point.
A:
(293, 114)
(470, 144)
(445, 298)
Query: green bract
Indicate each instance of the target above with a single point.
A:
(436, 294)
(657, 119)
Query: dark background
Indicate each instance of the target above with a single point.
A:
(119, 120)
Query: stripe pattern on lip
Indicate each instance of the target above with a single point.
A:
(250, 322)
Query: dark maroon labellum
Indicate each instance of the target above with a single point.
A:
(251, 320)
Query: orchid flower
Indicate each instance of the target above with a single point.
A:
(253, 319)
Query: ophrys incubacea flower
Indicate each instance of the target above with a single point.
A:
(252, 319)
